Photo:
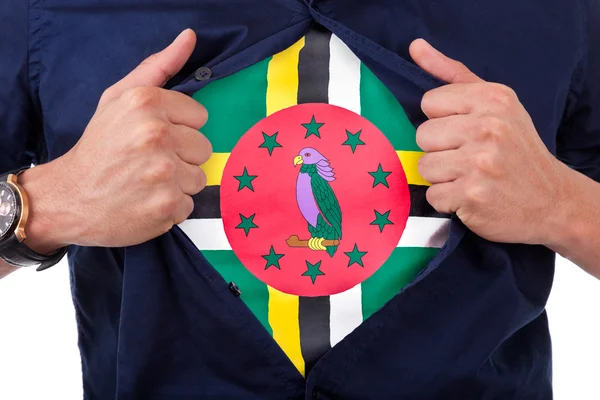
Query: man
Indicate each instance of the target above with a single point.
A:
(303, 259)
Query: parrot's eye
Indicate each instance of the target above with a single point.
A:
(307, 154)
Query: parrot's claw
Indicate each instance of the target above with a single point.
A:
(316, 244)
(319, 243)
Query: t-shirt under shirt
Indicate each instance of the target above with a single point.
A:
(314, 206)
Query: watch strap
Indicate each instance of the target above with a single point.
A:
(17, 171)
(18, 254)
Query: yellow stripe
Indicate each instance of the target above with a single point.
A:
(409, 159)
(282, 79)
(410, 163)
(214, 167)
(282, 92)
(283, 318)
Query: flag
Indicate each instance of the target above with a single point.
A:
(310, 287)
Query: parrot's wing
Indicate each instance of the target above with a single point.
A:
(328, 204)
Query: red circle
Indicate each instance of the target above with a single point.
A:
(270, 202)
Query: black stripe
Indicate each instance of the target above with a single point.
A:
(313, 87)
(207, 203)
(419, 207)
(313, 317)
(313, 67)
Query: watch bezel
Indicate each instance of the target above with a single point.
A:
(18, 211)
(23, 207)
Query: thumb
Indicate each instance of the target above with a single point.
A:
(439, 65)
(157, 69)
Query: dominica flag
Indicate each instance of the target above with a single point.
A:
(314, 205)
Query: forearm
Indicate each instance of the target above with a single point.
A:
(45, 226)
(574, 229)
(50, 221)
(5, 269)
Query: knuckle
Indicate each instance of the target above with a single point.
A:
(161, 171)
(427, 101)
(203, 114)
(200, 179)
(108, 95)
(155, 133)
(487, 162)
(166, 225)
(141, 97)
(422, 135)
(460, 66)
(430, 195)
(150, 60)
(507, 90)
(493, 128)
(474, 194)
(464, 75)
(153, 63)
(502, 96)
(499, 125)
(167, 207)
(205, 151)
(187, 207)
(423, 164)
(434, 199)
(194, 108)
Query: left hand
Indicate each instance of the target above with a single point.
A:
(484, 158)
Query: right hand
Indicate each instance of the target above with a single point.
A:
(131, 176)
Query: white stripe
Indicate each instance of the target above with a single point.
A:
(344, 76)
(345, 308)
(425, 232)
(209, 234)
(345, 314)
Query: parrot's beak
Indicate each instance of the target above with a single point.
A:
(298, 160)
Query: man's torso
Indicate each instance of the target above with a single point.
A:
(77, 50)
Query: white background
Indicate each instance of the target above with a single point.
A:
(39, 357)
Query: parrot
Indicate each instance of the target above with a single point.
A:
(316, 199)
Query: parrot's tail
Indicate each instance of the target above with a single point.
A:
(331, 250)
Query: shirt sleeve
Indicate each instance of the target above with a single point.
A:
(578, 142)
(19, 122)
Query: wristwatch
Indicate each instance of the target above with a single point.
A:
(14, 210)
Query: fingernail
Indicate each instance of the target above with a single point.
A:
(181, 34)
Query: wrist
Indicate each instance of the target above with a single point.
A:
(48, 226)
(563, 224)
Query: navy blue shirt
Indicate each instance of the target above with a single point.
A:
(156, 321)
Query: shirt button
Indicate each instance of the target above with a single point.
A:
(316, 393)
(235, 289)
(203, 73)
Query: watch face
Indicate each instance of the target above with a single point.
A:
(8, 209)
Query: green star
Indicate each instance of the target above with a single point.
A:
(245, 180)
(353, 140)
(313, 271)
(312, 128)
(247, 223)
(382, 220)
(270, 142)
(272, 259)
(355, 256)
(380, 177)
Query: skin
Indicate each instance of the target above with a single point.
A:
(130, 177)
(477, 136)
